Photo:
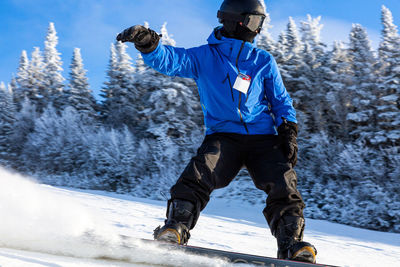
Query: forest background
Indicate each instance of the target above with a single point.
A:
(141, 133)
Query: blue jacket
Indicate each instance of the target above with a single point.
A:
(214, 69)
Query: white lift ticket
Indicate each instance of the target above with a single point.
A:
(242, 83)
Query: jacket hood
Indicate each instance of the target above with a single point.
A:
(230, 47)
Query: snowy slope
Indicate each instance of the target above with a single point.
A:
(46, 226)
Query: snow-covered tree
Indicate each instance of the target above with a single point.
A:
(80, 96)
(58, 143)
(12, 86)
(23, 126)
(166, 38)
(53, 79)
(110, 85)
(120, 92)
(362, 118)
(127, 90)
(388, 120)
(22, 79)
(113, 161)
(337, 96)
(389, 99)
(143, 76)
(7, 119)
(293, 41)
(281, 51)
(389, 46)
(311, 34)
(315, 75)
(265, 40)
(292, 59)
(34, 88)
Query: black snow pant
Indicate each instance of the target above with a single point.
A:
(220, 158)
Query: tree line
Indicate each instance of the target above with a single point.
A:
(139, 138)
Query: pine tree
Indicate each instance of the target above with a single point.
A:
(12, 87)
(120, 91)
(34, 87)
(24, 125)
(290, 57)
(281, 51)
(140, 66)
(294, 44)
(166, 38)
(127, 94)
(311, 34)
(293, 60)
(389, 46)
(110, 85)
(22, 79)
(265, 40)
(144, 76)
(389, 100)
(7, 119)
(314, 73)
(80, 96)
(53, 79)
(338, 82)
(58, 143)
(113, 161)
(362, 118)
(308, 108)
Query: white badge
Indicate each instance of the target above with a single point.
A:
(242, 83)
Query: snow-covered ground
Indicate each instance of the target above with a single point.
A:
(47, 226)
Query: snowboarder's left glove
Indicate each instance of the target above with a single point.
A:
(145, 40)
(287, 135)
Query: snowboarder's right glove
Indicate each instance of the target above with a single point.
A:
(287, 135)
(145, 40)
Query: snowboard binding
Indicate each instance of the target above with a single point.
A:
(177, 225)
(176, 233)
(302, 251)
(289, 234)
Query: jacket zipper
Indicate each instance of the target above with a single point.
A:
(240, 94)
(230, 85)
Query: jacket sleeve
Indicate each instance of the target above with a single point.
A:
(278, 97)
(173, 61)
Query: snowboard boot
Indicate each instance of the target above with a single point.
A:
(289, 234)
(178, 223)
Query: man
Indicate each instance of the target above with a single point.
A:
(243, 100)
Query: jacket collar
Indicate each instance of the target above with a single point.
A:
(230, 47)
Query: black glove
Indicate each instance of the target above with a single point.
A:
(287, 135)
(145, 40)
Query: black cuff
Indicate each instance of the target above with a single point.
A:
(288, 128)
(152, 45)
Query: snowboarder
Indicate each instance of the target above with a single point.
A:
(250, 122)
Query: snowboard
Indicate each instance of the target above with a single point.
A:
(229, 256)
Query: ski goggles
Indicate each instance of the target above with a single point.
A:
(253, 22)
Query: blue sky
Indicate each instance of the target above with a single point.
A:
(93, 24)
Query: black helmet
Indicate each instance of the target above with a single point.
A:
(249, 13)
